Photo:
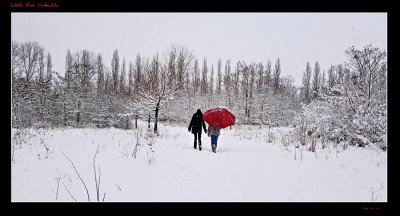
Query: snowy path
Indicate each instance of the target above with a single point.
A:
(243, 169)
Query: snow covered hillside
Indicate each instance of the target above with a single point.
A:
(245, 168)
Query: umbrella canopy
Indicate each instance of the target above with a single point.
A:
(219, 117)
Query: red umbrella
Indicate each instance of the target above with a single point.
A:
(219, 117)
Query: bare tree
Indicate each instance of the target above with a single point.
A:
(30, 55)
(15, 57)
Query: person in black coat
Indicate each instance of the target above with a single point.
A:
(195, 127)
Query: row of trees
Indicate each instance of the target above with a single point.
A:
(350, 101)
(90, 92)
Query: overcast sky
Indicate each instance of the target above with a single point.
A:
(295, 38)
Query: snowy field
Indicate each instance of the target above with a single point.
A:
(246, 167)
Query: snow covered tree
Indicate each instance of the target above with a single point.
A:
(322, 82)
(267, 78)
(68, 70)
(196, 74)
(41, 75)
(108, 82)
(228, 82)
(211, 85)
(153, 76)
(15, 58)
(138, 73)
(277, 73)
(100, 75)
(354, 109)
(247, 82)
(366, 67)
(77, 100)
(316, 81)
(184, 59)
(260, 76)
(236, 78)
(87, 66)
(366, 72)
(306, 84)
(29, 92)
(49, 71)
(153, 100)
(122, 79)
(331, 77)
(219, 77)
(130, 78)
(115, 70)
(204, 78)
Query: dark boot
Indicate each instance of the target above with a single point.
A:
(214, 148)
(195, 144)
(200, 146)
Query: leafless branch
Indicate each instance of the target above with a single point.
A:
(95, 173)
(87, 191)
(69, 192)
(98, 186)
(58, 183)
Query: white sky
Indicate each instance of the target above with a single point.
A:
(295, 38)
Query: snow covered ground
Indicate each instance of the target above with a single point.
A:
(167, 168)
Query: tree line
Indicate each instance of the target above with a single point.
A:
(170, 86)
(91, 93)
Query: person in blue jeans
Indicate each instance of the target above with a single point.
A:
(214, 132)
